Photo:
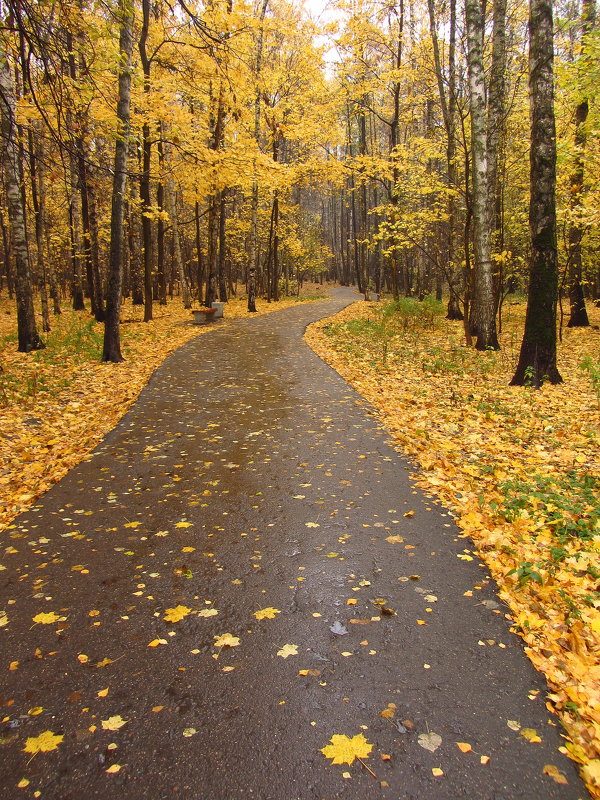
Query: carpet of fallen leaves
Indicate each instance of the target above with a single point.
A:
(517, 467)
(58, 403)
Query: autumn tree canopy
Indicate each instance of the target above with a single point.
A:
(381, 143)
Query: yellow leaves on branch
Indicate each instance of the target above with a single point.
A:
(44, 743)
(344, 750)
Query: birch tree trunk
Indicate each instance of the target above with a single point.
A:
(28, 336)
(145, 173)
(578, 313)
(112, 342)
(254, 255)
(483, 310)
(537, 359)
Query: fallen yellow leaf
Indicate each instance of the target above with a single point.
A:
(43, 743)
(267, 613)
(176, 614)
(113, 723)
(288, 650)
(46, 618)
(344, 750)
(554, 773)
(226, 640)
(530, 734)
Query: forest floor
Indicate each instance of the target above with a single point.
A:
(58, 403)
(519, 469)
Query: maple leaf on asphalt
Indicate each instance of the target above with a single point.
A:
(267, 613)
(176, 614)
(43, 743)
(343, 749)
(226, 640)
(46, 618)
(288, 650)
(113, 723)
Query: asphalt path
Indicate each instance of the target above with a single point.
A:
(250, 476)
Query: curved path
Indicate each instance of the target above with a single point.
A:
(249, 476)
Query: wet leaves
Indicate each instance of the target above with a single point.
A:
(226, 640)
(44, 743)
(345, 750)
(288, 650)
(554, 773)
(267, 613)
(208, 612)
(46, 618)
(430, 741)
(176, 614)
(113, 723)
(530, 734)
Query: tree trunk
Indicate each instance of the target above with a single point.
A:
(484, 310)
(496, 115)
(254, 254)
(222, 247)
(145, 173)
(38, 202)
(112, 343)
(537, 360)
(135, 260)
(160, 232)
(578, 313)
(28, 336)
(179, 265)
(199, 259)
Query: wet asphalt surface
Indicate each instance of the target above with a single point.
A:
(249, 475)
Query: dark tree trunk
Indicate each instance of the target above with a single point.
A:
(135, 261)
(199, 259)
(145, 174)
(222, 247)
(160, 232)
(537, 360)
(112, 342)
